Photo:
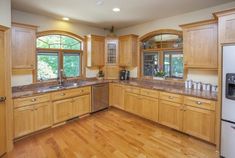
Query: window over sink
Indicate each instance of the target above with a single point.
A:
(58, 51)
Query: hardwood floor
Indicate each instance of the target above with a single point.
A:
(112, 134)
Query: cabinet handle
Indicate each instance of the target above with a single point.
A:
(33, 100)
(170, 97)
(198, 103)
(62, 94)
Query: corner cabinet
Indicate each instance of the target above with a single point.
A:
(95, 50)
(128, 50)
(200, 45)
(23, 46)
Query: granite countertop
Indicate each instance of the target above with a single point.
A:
(166, 86)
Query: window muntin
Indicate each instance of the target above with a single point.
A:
(173, 64)
(71, 64)
(47, 65)
(58, 42)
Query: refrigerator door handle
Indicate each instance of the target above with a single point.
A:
(233, 127)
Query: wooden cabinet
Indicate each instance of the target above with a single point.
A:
(81, 105)
(23, 46)
(170, 114)
(149, 108)
(23, 121)
(95, 50)
(200, 45)
(226, 26)
(133, 103)
(116, 96)
(199, 123)
(63, 110)
(199, 118)
(70, 93)
(128, 50)
(32, 118)
(42, 115)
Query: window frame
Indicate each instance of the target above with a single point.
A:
(60, 53)
(170, 55)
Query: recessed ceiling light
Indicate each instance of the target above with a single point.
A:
(116, 9)
(65, 18)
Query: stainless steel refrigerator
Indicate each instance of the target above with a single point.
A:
(228, 103)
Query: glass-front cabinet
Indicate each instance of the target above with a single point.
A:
(162, 54)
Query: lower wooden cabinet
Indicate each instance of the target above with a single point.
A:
(69, 108)
(81, 105)
(170, 114)
(116, 96)
(199, 123)
(63, 110)
(32, 118)
(133, 103)
(23, 121)
(149, 108)
(43, 115)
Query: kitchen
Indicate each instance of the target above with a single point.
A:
(115, 82)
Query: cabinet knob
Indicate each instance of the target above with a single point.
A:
(33, 100)
(62, 94)
(170, 97)
(198, 103)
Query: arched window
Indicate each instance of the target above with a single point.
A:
(57, 52)
(162, 53)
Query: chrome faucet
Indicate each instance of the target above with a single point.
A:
(61, 77)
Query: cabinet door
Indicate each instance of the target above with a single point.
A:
(23, 47)
(133, 103)
(128, 50)
(200, 46)
(98, 46)
(81, 105)
(199, 123)
(227, 29)
(150, 108)
(124, 51)
(117, 96)
(43, 115)
(23, 121)
(170, 114)
(62, 110)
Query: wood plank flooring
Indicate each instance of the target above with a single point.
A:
(112, 134)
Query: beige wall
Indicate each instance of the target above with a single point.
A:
(5, 13)
(173, 23)
(46, 23)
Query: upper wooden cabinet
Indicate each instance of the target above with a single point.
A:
(128, 50)
(200, 45)
(95, 50)
(226, 26)
(23, 46)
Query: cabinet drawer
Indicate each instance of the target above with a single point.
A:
(70, 93)
(176, 98)
(200, 103)
(31, 100)
(132, 90)
(150, 93)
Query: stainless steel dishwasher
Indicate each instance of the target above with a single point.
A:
(100, 97)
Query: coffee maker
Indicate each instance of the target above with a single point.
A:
(124, 75)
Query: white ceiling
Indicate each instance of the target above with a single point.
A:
(132, 11)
